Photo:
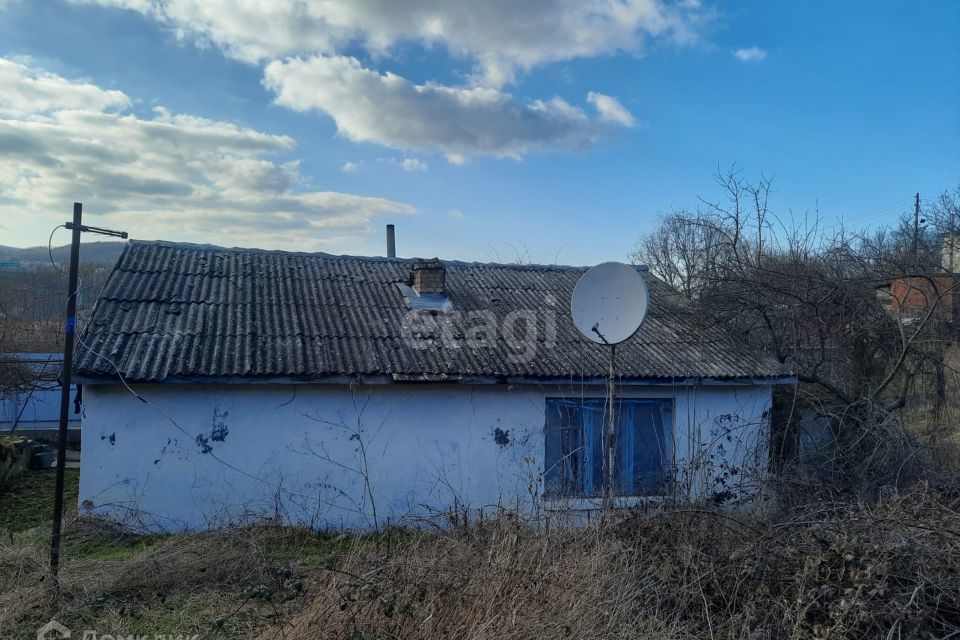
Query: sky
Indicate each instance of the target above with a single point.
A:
(544, 131)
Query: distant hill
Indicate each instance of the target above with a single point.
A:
(33, 294)
(89, 252)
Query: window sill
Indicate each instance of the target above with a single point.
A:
(595, 504)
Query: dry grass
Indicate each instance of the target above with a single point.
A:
(224, 583)
(831, 569)
(890, 570)
(815, 561)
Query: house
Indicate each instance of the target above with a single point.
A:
(34, 408)
(339, 391)
(913, 296)
(926, 289)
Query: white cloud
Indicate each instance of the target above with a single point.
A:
(350, 167)
(302, 46)
(499, 36)
(387, 109)
(413, 164)
(456, 159)
(752, 54)
(456, 214)
(28, 92)
(407, 164)
(610, 109)
(169, 175)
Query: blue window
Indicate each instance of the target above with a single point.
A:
(575, 434)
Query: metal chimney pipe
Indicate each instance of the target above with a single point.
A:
(391, 242)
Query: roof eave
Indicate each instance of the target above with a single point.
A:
(688, 381)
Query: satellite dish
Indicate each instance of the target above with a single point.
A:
(609, 303)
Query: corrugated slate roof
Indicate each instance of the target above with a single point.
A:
(182, 311)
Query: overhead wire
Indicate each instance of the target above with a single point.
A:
(883, 211)
(176, 425)
(50, 247)
(274, 485)
(78, 335)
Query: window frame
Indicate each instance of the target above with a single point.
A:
(592, 476)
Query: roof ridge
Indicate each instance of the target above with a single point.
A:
(192, 246)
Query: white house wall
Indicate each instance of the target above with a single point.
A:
(329, 456)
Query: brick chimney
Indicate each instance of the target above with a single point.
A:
(428, 276)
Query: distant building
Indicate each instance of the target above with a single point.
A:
(950, 252)
(911, 296)
(36, 408)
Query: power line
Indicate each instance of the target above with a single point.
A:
(50, 247)
(897, 207)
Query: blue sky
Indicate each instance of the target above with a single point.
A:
(286, 131)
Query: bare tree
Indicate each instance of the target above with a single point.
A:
(809, 297)
(684, 251)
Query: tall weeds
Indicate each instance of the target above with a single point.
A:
(840, 570)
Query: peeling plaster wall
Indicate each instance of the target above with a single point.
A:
(329, 456)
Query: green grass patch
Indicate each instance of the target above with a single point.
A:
(227, 583)
(105, 546)
(183, 614)
(26, 509)
(26, 500)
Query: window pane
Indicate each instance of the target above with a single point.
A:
(650, 459)
(567, 459)
(594, 434)
(575, 446)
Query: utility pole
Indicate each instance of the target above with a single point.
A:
(610, 448)
(949, 243)
(70, 326)
(916, 230)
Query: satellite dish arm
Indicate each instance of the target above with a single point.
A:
(596, 329)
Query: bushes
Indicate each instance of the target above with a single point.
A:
(845, 570)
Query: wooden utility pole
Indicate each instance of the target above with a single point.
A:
(70, 326)
(609, 479)
(916, 229)
(69, 330)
